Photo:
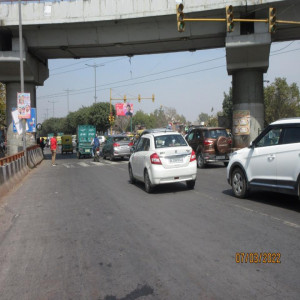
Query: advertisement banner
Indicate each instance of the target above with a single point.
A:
(23, 104)
(124, 109)
(241, 122)
(30, 123)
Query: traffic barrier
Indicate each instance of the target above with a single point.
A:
(13, 168)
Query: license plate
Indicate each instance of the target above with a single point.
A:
(176, 160)
(220, 157)
(87, 150)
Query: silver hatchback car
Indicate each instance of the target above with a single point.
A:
(117, 146)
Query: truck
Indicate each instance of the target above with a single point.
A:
(85, 135)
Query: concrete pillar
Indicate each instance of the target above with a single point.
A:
(14, 140)
(248, 95)
(247, 59)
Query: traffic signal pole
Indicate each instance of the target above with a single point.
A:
(112, 118)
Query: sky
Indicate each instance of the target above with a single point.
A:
(191, 82)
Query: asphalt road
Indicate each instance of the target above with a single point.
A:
(80, 230)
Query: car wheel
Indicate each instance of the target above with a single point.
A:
(238, 183)
(131, 178)
(226, 163)
(148, 185)
(200, 161)
(191, 184)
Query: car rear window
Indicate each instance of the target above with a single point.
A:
(121, 139)
(215, 133)
(165, 141)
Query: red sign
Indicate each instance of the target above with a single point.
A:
(124, 109)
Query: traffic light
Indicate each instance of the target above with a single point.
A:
(139, 98)
(229, 18)
(180, 17)
(272, 19)
(109, 118)
(152, 97)
(125, 98)
(112, 119)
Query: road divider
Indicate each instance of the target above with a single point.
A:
(13, 168)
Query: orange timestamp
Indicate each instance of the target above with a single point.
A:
(258, 257)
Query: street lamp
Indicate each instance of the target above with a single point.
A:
(95, 66)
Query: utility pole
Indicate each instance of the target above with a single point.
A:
(68, 90)
(95, 66)
(47, 113)
(53, 102)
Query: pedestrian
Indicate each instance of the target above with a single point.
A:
(42, 144)
(53, 147)
(96, 144)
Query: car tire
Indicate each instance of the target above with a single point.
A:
(200, 161)
(239, 183)
(190, 184)
(226, 163)
(131, 177)
(148, 184)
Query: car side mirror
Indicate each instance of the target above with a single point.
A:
(251, 145)
(132, 149)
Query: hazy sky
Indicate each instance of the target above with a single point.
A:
(191, 82)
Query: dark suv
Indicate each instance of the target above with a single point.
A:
(211, 144)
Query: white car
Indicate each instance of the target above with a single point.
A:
(160, 158)
(271, 162)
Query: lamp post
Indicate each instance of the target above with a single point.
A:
(53, 102)
(68, 91)
(95, 66)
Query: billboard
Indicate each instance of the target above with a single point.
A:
(241, 122)
(23, 104)
(30, 123)
(124, 109)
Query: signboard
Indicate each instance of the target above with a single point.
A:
(241, 122)
(124, 109)
(23, 104)
(30, 123)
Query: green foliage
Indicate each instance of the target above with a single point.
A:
(203, 117)
(96, 115)
(160, 118)
(227, 106)
(2, 105)
(281, 100)
(143, 119)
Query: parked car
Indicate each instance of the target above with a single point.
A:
(271, 162)
(116, 146)
(160, 158)
(211, 145)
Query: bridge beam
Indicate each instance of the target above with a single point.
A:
(247, 60)
(35, 73)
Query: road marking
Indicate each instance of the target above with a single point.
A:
(294, 225)
(67, 166)
(83, 164)
(97, 163)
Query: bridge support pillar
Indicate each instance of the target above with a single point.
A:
(35, 73)
(247, 60)
(14, 140)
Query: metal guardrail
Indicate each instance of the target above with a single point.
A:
(11, 158)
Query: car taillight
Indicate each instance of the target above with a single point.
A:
(193, 156)
(155, 160)
(116, 145)
(208, 142)
(130, 144)
(97, 149)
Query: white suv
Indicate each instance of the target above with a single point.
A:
(271, 162)
(162, 157)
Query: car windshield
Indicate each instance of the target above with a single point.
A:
(164, 141)
(121, 139)
(215, 133)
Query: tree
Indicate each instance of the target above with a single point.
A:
(2, 105)
(227, 106)
(281, 100)
(203, 117)
(160, 118)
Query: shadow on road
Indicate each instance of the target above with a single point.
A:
(271, 198)
(164, 188)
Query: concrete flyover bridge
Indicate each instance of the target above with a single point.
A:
(102, 28)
